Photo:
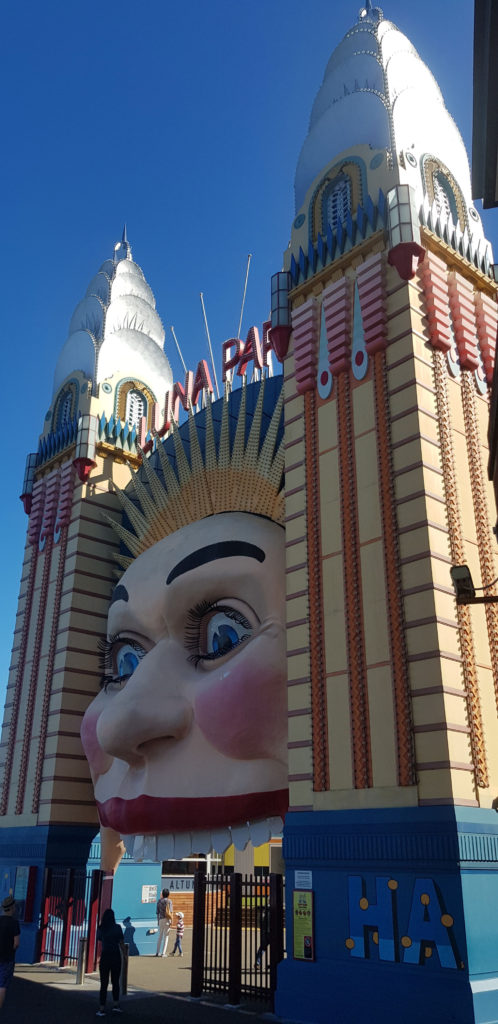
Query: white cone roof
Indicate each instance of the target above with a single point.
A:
(376, 90)
(116, 329)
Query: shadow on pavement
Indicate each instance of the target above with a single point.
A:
(59, 1003)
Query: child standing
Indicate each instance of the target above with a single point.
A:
(180, 928)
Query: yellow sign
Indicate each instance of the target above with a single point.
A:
(304, 943)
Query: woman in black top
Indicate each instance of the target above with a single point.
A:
(110, 935)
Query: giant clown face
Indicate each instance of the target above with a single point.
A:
(188, 733)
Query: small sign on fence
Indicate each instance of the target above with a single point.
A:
(304, 939)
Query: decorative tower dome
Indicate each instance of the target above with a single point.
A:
(116, 327)
(378, 96)
(112, 372)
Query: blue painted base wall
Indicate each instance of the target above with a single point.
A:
(405, 917)
(41, 846)
(138, 920)
(77, 846)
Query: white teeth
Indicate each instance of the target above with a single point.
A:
(276, 826)
(240, 837)
(260, 833)
(202, 842)
(129, 842)
(221, 840)
(138, 848)
(165, 847)
(150, 848)
(183, 844)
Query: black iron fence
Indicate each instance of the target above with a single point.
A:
(238, 935)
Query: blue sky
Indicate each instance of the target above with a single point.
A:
(185, 121)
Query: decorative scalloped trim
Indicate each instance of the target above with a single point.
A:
(455, 537)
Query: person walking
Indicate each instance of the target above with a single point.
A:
(10, 937)
(110, 935)
(180, 928)
(164, 911)
(264, 929)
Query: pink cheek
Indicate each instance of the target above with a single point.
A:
(99, 761)
(244, 714)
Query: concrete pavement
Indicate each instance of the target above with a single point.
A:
(158, 990)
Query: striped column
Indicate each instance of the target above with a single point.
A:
(435, 281)
(337, 299)
(61, 524)
(465, 316)
(300, 373)
(43, 619)
(372, 294)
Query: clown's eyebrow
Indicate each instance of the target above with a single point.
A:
(119, 593)
(224, 549)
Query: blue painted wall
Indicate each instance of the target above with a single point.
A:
(137, 919)
(441, 864)
(40, 846)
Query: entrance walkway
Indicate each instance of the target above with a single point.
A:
(163, 974)
(158, 991)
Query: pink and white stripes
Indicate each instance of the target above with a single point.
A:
(306, 330)
(372, 293)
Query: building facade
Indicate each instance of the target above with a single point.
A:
(392, 686)
(384, 317)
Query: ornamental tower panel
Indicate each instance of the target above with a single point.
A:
(47, 808)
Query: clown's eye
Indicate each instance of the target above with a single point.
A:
(223, 631)
(127, 659)
(119, 658)
(214, 630)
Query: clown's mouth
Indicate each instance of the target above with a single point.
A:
(255, 817)
(186, 844)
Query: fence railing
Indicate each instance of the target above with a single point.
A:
(238, 938)
(72, 903)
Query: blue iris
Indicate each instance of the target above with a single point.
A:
(127, 662)
(225, 638)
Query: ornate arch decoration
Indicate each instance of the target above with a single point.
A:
(123, 389)
(353, 170)
(433, 171)
(66, 404)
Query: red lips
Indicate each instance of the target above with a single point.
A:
(153, 815)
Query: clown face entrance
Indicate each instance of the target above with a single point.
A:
(238, 935)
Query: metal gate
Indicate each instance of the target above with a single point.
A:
(238, 935)
(72, 903)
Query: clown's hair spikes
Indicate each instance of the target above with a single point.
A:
(197, 474)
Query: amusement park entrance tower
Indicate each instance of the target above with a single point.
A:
(111, 370)
(391, 840)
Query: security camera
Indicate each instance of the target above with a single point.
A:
(462, 582)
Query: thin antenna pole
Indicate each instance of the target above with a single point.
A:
(172, 329)
(249, 256)
(210, 346)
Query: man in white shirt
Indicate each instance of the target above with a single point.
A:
(164, 912)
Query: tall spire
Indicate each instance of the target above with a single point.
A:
(122, 249)
(369, 12)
